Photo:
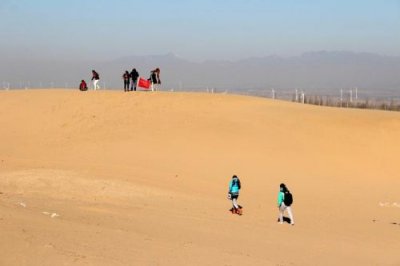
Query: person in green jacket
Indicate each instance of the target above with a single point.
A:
(285, 204)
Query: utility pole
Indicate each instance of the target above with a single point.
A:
(351, 95)
(341, 97)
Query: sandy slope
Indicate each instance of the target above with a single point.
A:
(141, 179)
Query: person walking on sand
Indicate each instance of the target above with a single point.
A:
(285, 200)
(126, 77)
(233, 194)
(95, 79)
(134, 77)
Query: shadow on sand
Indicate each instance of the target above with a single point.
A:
(285, 220)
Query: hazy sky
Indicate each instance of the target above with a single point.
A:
(195, 29)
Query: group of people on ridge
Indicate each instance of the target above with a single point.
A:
(127, 77)
(95, 79)
(130, 79)
(285, 200)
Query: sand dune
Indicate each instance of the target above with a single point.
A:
(108, 178)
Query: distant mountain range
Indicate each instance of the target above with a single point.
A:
(313, 71)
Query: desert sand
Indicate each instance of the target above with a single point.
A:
(113, 178)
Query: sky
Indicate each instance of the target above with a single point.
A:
(195, 29)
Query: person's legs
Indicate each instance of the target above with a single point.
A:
(126, 85)
(134, 83)
(234, 203)
(236, 208)
(281, 211)
(95, 84)
(289, 210)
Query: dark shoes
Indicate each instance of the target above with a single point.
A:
(236, 211)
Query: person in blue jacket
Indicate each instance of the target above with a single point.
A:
(234, 188)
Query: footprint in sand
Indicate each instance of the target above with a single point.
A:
(393, 223)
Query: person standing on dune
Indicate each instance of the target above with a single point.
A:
(95, 79)
(285, 200)
(233, 194)
(126, 77)
(134, 76)
(155, 79)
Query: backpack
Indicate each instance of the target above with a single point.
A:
(236, 183)
(288, 199)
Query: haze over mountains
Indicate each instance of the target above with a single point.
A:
(313, 71)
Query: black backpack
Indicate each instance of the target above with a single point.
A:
(288, 199)
(236, 182)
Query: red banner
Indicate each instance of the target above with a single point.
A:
(144, 83)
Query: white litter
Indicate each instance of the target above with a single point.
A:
(52, 215)
(22, 204)
(389, 204)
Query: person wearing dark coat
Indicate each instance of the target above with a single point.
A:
(134, 76)
(126, 77)
(155, 78)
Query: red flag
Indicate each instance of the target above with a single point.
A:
(144, 83)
